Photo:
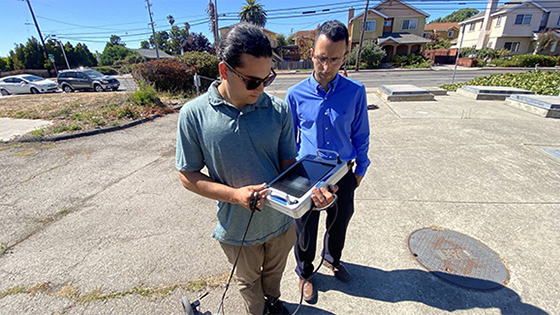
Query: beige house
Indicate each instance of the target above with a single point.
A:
(513, 26)
(396, 26)
(271, 37)
(448, 30)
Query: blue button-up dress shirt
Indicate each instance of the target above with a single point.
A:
(334, 120)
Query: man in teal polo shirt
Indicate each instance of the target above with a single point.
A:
(245, 138)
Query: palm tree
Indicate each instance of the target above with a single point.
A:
(253, 12)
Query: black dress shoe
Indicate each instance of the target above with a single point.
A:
(274, 306)
(340, 272)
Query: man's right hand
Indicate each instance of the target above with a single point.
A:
(242, 196)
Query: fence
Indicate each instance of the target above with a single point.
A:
(292, 65)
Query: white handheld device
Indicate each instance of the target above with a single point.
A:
(290, 192)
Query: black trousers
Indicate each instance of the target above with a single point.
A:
(334, 244)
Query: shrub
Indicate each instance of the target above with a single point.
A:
(205, 64)
(533, 60)
(466, 52)
(134, 59)
(167, 75)
(371, 54)
(106, 70)
(146, 95)
(486, 53)
(412, 61)
(540, 82)
(502, 63)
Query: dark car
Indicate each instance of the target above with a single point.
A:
(86, 79)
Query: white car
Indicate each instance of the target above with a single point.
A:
(26, 83)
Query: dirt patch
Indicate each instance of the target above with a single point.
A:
(77, 112)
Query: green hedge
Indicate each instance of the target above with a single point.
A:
(533, 60)
(167, 75)
(205, 64)
(540, 82)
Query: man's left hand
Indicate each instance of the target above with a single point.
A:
(322, 197)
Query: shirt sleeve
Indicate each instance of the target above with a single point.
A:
(287, 146)
(360, 133)
(188, 154)
(295, 122)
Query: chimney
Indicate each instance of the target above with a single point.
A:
(486, 24)
(350, 15)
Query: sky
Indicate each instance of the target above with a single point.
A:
(92, 22)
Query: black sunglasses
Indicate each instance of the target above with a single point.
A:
(252, 84)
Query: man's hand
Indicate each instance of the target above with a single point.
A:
(242, 196)
(322, 197)
(358, 179)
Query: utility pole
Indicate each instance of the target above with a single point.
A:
(458, 53)
(362, 37)
(64, 53)
(44, 48)
(153, 30)
(216, 32)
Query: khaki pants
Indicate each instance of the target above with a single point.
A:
(260, 268)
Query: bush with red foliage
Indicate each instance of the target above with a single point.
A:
(167, 75)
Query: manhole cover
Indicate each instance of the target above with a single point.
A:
(458, 258)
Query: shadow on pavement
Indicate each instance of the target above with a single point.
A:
(424, 287)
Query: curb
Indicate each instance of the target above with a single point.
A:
(89, 132)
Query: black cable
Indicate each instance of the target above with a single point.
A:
(253, 205)
(322, 256)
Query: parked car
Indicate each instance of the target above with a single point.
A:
(26, 83)
(86, 79)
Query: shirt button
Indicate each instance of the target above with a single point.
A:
(328, 142)
(326, 128)
(326, 113)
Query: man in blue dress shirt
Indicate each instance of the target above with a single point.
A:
(329, 112)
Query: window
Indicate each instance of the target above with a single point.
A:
(82, 76)
(523, 19)
(450, 34)
(512, 46)
(16, 80)
(499, 21)
(426, 35)
(388, 23)
(471, 27)
(409, 24)
(370, 26)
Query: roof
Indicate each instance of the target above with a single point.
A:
(369, 11)
(404, 3)
(305, 34)
(502, 9)
(402, 38)
(151, 53)
(441, 26)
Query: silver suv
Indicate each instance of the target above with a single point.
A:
(86, 79)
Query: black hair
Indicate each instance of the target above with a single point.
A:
(334, 30)
(244, 38)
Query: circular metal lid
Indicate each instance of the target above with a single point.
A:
(458, 258)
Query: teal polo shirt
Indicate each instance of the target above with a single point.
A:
(238, 148)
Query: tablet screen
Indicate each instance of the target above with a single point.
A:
(302, 177)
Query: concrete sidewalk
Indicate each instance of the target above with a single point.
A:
(101, 225)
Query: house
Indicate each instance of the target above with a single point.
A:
(449, 30)
(304, 40)
(150, 54)
(396, 26)
(513, 26)
(271, 37)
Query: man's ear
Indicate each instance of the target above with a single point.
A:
(222, 67)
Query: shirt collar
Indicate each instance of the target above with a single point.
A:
(332, 85)
(216, 99)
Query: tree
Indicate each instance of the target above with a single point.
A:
(371, 54)
(162, 39)
(116, 40)
(253, 12)
(437, 42)
(3, 64)
(457, 16)
(114, 50)
(145, 44)
(281, 40)
(197, 42)
(544, 41)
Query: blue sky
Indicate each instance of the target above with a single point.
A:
(93, 21)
